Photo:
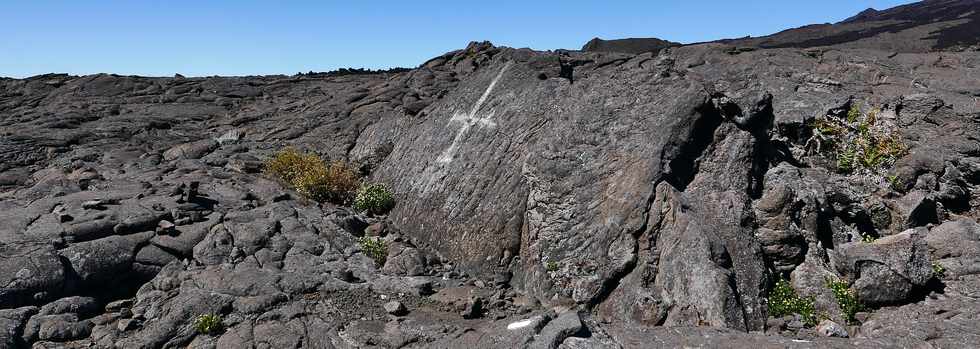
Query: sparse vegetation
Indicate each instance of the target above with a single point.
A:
(860, 142)
(374, 199)
(846, 299)
(336, 182)
(551, 266)
(868, 238)
(893, 182)
(853, 113)
(783, 300)
(827, 128)
(845, 160)
(313, 177)
(938, 271)
(374, 247)
(208, 323)
(288, 163)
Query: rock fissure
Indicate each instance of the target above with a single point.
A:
(683, 164)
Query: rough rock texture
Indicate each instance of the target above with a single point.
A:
(544, 199)
(887, 270)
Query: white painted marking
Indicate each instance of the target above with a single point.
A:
(470, 120)
(520, 324)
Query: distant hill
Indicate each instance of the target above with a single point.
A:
(919, 27)
(631, 45)
(947, 25)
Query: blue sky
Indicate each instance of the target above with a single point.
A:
(244, 37)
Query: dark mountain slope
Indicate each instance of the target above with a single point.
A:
(936, 25)
(918, 27)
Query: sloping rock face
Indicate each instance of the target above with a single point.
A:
(567, 199)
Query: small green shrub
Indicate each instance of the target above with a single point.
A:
(376, 248)
(938, 271)
(551, 266)
(313, 177)
(854, 113)
(858, 142)
(208, 323)
(845, 160)
(374, 199)
(846, 299)
(783, 300)
(336, 182)
(827, 128)
(871, 157)
(289, 163)
(893, 182)
(868, 238)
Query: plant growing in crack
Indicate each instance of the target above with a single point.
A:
(938, 271)
(858, 143)
(783, 300)
(853, 113)
(374, 247)
(893, 182)
(868, 238)
(209, 323)
(551, 266)
(846, 298)
(374, 199)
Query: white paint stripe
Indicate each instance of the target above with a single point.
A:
(471, 119)
(483, 98)
(519, 324)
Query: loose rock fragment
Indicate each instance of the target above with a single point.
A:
(395, 308)
(829, 328)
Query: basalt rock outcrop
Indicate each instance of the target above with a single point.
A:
(544, 199)
(631, 45)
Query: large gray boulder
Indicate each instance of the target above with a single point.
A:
(955, 245)
(32, 277)
(886, 271)
(12, 322)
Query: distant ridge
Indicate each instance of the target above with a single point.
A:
(935, 25)
(925, 26)
(629, 45)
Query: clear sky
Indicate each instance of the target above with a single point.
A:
(245, 37)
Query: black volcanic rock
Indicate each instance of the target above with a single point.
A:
(586, 199)
(631, 45)
(918, 27)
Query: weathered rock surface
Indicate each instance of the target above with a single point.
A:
(887, 270)
(544, 199)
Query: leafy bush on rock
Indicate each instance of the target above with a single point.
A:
(938, 271)
(783, 300)
(313, 177)
(846, 299)
(374, 199)
(374, 247)
(860, 142)
(208, 323)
